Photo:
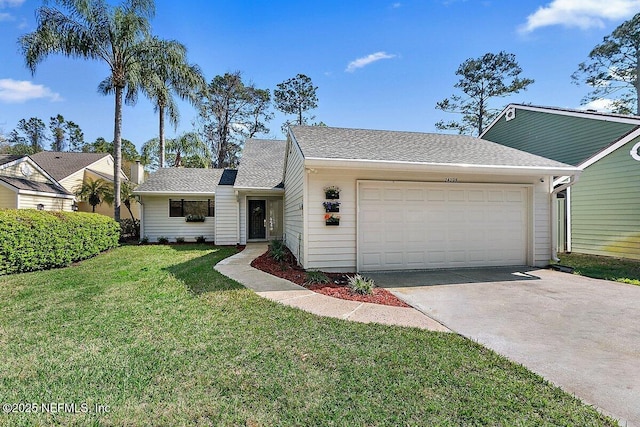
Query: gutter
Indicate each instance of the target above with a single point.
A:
(554, 215)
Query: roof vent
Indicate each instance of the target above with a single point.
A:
(510, 114)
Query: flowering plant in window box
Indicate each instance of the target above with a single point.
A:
(331, 206)
(331, 219)
(194, 218)
(331, 192)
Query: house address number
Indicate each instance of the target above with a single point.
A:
(451, 180)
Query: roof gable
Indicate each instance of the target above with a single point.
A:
(320, 142)
(262, 164)
(181, 181)
(568, 136)
(61, 164)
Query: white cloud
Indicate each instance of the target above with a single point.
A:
(602, 105)
(580, 13)
(16, 91)
(10, 3)
(366, 60)
(6, 17)
(396, 5)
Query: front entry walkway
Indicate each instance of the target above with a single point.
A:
(238, 267)
(581, 334)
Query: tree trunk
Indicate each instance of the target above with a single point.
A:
(117, 154)
(161, 134)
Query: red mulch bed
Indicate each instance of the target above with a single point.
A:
(337, 289)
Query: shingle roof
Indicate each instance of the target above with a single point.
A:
(8, 158)
(62, 164)
(322, 142)
(262, 164)
(25, 184)
(181, 180)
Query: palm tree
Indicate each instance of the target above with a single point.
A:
(126, 196)
(186, 148)
(160, 76)
(170, 72)
(93, 29)
(94, 192)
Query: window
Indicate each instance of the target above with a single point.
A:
(181, 208)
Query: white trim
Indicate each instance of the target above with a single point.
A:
(261, 189)
(610, 149)
(173, 193)
(567, 210)
(442, 167)
(634, 152)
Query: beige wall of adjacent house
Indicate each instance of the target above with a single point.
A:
(156, 220)
(294, 185)
(26, 201)
(75, 180)
(334, 248)
(8, 198)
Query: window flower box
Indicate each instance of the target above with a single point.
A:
(331, 219)
(332, 192)
(331, 206)
(194, 218)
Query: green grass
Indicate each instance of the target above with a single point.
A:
(157, 335)
(601, 267)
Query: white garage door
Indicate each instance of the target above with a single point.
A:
(420, 225)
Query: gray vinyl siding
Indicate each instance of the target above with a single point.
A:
(563, 138)
(226, 219)
(157, 222)
(294, 183)
(605, 205)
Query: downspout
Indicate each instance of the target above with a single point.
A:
(141, 214)
(554, 216)
(237, 218)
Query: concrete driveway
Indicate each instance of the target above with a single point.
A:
(581, 334)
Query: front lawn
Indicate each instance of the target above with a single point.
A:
(602, 267)
(157, 337)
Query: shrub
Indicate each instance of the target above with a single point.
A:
(361, 285)
(179, 239)
(277, 250)
(163, 240)
(201, 239)
(144, 240)
(37, 240)
(129, 229)
(314, 276)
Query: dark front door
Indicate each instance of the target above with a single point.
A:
(257, 216)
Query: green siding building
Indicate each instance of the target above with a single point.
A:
(599, 214)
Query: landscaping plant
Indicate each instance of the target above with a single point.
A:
(315, 276)
(361, 285)
(38, 240)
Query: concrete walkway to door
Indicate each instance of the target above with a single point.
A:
(581, 334)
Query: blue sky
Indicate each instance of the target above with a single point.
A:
(377, 64)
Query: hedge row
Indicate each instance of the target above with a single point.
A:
(38, 240)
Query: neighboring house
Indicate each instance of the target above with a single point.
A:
(600, 214)
(25, 185)
(406, 200)
(72, 169)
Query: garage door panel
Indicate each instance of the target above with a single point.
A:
(413, 225)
